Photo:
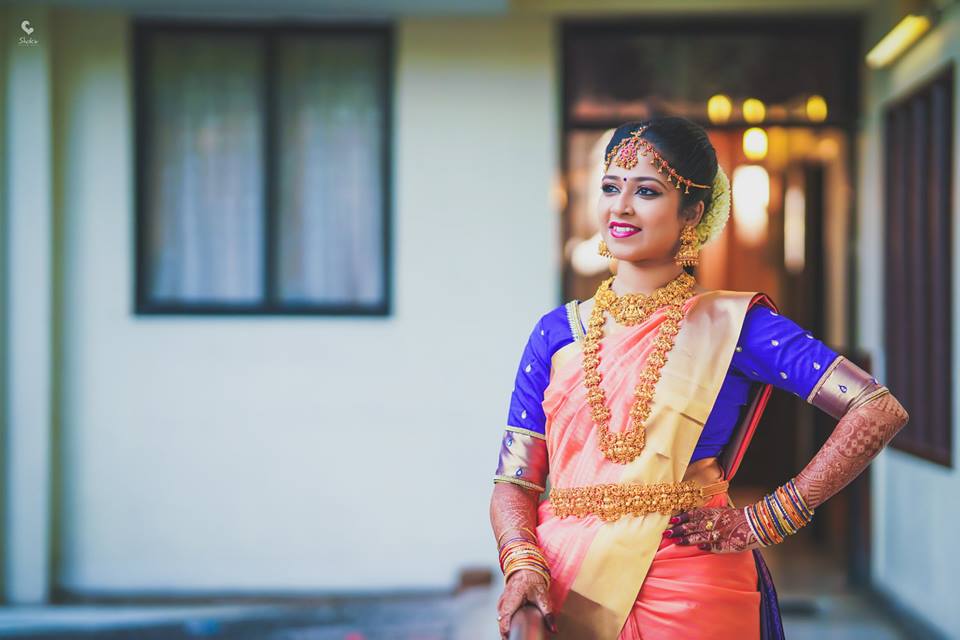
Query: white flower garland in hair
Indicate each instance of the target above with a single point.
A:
(717, 215)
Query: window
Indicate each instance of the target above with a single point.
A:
(262, 171)
(919, 183)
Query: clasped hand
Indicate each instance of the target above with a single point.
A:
(716, 529)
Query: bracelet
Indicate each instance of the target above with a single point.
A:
(524, 529)
(778, 515)
(520, 553)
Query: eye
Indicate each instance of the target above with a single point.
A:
(650, 192)
(609, 188)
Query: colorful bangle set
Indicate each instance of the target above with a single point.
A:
(778, 515)
(520, 552)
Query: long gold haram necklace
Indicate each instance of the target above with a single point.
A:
(630, 309)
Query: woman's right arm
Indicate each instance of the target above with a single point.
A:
(513, 514)
(519, 480)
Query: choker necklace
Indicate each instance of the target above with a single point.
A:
(630, 309)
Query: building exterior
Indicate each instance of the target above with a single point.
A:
(284, 453)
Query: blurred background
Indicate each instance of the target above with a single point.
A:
(268, 269)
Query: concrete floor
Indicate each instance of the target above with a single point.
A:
(815, 602)
(469, 616)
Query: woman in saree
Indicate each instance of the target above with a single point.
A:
(639, 403)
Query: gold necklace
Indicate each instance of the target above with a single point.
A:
(630, 309)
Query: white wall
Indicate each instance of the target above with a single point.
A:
(308, 452)
(915, 517)
(25, 254)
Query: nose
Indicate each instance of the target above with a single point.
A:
(622, 205)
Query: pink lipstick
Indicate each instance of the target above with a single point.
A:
(622, 229)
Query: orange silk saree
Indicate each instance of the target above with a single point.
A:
(621, 579)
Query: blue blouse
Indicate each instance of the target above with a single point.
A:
(772, 349)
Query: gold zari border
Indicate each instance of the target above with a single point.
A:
(522, 483)
(526, 432)
(573, 319)
(859, 402)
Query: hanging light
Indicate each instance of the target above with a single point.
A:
(719, 108)
(755, 144)
(754, 111)
(816, 109)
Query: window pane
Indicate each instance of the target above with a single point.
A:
(919, 177)
(330, 195)
(203, 177)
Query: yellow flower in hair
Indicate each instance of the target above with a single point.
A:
(715, 218)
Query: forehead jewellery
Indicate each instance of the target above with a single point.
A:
(627, 154)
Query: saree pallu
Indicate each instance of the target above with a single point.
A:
(600, 569)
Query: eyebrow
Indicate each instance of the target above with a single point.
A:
(639, 178)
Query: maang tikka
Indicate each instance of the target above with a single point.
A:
(627, 154)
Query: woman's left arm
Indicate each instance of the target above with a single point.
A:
(869, 417)
(856, 440)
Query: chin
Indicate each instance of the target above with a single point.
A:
(628, 253)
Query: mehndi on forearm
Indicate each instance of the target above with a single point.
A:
(856, 440)
(869, 417)
(513, 511)
(513, 514)
(519, 480)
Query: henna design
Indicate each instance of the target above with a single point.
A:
(729, 532)
(512, 509)
(859, 436)
(513, 513)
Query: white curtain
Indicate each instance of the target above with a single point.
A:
(330, 195)
(204, 177)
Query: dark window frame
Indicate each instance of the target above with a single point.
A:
(918, 319)
(143, 30)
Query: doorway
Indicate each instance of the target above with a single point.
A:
(778, 98)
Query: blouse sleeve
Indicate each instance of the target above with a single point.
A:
(773, 349)
(533, 375)
(523, 451)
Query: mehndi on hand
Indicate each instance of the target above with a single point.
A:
(717, 529)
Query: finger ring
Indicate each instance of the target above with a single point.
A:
(709, 525)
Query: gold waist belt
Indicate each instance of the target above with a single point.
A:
(613, 501)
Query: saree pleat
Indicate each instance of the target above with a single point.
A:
(691, 593)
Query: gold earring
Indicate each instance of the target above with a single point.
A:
(603, 250)
(689, 254)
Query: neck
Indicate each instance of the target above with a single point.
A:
(643, 278)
